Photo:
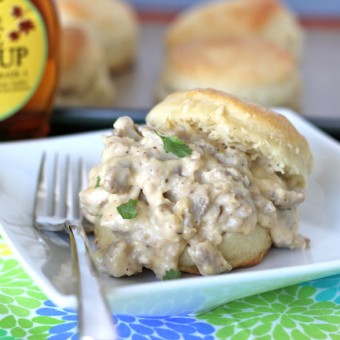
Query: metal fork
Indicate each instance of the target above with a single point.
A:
(56, 208)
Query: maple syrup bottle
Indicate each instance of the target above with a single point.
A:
(29, 41)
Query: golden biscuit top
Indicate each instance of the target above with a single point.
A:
(227, 120)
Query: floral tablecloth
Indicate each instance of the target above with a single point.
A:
(306, 311)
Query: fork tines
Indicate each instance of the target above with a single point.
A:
(56, 199)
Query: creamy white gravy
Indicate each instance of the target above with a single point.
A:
(190, 201)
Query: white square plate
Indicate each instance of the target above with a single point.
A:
(47, 257)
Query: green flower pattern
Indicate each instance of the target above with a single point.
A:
(288, 313)
(295, 312)
(19, 298)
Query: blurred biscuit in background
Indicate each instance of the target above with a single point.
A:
(253, 69)
(113, 22)
(84, 77)
(108, 34)
(266, 19)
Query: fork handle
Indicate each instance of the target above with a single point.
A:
(94, 317)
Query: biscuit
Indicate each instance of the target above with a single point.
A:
(84, 80)
(207, 185)
(254, 69)
(266, 19)
(227, 120)
(113, 22)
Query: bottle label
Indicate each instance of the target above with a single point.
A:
(23, 54)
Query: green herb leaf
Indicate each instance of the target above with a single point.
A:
(175, 145)
(172, 274)
(97, 182)
(128, 210)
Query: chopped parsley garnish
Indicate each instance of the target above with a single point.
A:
(128, 210)
(172, 274)
(175, 145)
(97, 182)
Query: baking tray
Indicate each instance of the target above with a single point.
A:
(75, 120)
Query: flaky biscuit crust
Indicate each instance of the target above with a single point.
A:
(227, 120)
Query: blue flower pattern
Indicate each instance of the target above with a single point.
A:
(328, 288)
(185, 327)
(180, 327)
(129, 327)
(66, 330)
